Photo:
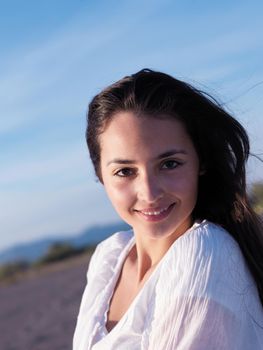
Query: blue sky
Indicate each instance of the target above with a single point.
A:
(55, 55)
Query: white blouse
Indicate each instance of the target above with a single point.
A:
(201, 296)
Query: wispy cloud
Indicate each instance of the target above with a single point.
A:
(69, 163)
(46, 68)
(47, 184)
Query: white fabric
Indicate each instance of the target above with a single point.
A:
(201, 296)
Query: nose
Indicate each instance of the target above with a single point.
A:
(149, 188)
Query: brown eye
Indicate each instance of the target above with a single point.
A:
(170, 164)
(125, 172)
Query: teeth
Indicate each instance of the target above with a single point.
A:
(154, 212)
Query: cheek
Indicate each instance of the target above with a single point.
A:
(191, 190)
(184, 186)
(120, 194)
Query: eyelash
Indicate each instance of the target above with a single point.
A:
(175, 163)
(132, 171)
(118, 173)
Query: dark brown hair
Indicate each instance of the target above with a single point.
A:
(221, 142)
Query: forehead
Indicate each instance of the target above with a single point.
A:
(129, 135)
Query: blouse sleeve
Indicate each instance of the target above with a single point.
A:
(91, 273)
(204, 298)
(197, 324)
(84, 322)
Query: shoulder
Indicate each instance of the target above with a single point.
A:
(204, 281)
(211, 247)
(117, 241)
(109, 251)
(208, 242)
(209, 233)
(206, 262)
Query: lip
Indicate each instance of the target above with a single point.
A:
(155, 214)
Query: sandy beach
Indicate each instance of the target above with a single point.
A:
(39, 311)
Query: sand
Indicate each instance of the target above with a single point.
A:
(39, 311)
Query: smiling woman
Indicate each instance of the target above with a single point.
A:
(153, 190)
(189, 274)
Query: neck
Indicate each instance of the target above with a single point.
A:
(148, 252)
(145, 256)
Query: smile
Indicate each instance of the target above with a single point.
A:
(155, 214)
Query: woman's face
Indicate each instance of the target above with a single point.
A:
(150, 170)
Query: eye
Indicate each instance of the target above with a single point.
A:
(170, 164)
(125, 172)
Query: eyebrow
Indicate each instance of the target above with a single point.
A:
(160, 156)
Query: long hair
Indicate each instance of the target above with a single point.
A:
(220, 140)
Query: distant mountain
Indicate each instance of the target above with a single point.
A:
(32, 251)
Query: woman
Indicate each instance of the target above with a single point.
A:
(189, 275)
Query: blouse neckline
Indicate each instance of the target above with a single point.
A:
(115, 276)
